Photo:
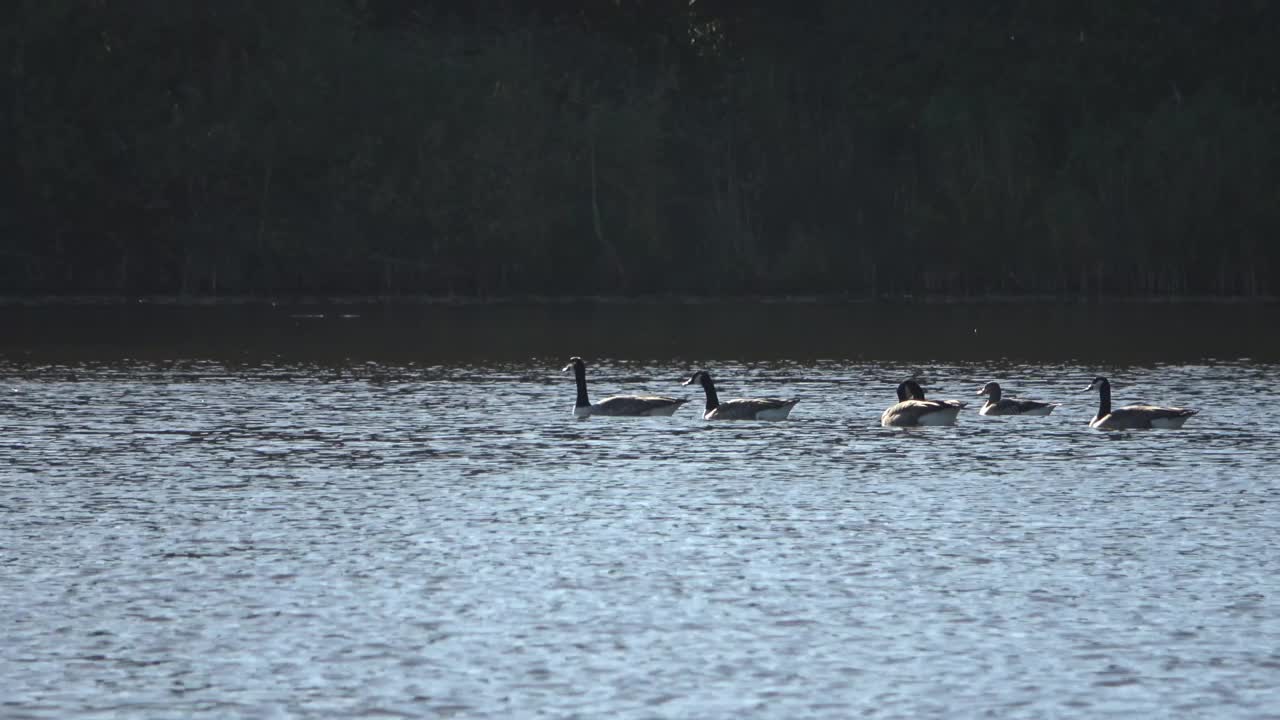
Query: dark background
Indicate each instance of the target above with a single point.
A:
(724, 147)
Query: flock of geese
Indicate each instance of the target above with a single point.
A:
(911, 410)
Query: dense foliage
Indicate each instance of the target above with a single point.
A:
(482, 147)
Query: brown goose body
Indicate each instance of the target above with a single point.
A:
(618, 405)
(740, 408)
(913, 410)
(997, 404)
(1134, 417)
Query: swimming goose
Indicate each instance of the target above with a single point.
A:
(618, 405)
(1133, 417)
(997, 405)
(912, 409)
(740, 408)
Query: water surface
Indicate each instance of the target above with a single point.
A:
(264, 535)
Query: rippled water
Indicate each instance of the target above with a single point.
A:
(390, 539)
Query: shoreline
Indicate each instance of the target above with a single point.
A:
(12, 301)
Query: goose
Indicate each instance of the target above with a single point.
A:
(997, 405)
(912, 409)
(1133, 417)
(740, 408)
(618, 405)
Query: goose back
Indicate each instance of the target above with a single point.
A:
(752, 409)
(638, 406)
(912, 413)
(1143, 417)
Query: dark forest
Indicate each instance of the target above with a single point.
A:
(638, 147)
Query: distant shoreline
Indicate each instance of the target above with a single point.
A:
(435, 300)
(424, 329)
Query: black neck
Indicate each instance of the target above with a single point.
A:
(903, 395)
(580, 374)
(713, 401)
(1104, 399)
(994, 395)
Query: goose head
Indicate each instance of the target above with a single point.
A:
(991, 388)
(1097, 384)
(574, 363)
(701, 376)
(910, 390)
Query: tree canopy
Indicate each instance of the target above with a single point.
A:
(488, 147)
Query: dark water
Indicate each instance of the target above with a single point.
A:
(486, 333)
(316, 518)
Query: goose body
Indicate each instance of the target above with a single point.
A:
(912, 409)
(618, 405)
(740, 408)
(996, 404)
(1133, 417)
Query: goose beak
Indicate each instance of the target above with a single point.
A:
(686, 382)
(567, 368)
(981, 391)
(1091, 387)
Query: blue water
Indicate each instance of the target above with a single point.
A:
(363, 538)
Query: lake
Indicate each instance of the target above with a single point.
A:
(388, 511)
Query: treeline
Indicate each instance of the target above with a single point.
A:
(494, 147)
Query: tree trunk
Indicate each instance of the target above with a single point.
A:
(606, 245)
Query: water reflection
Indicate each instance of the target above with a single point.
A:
(260, 334)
